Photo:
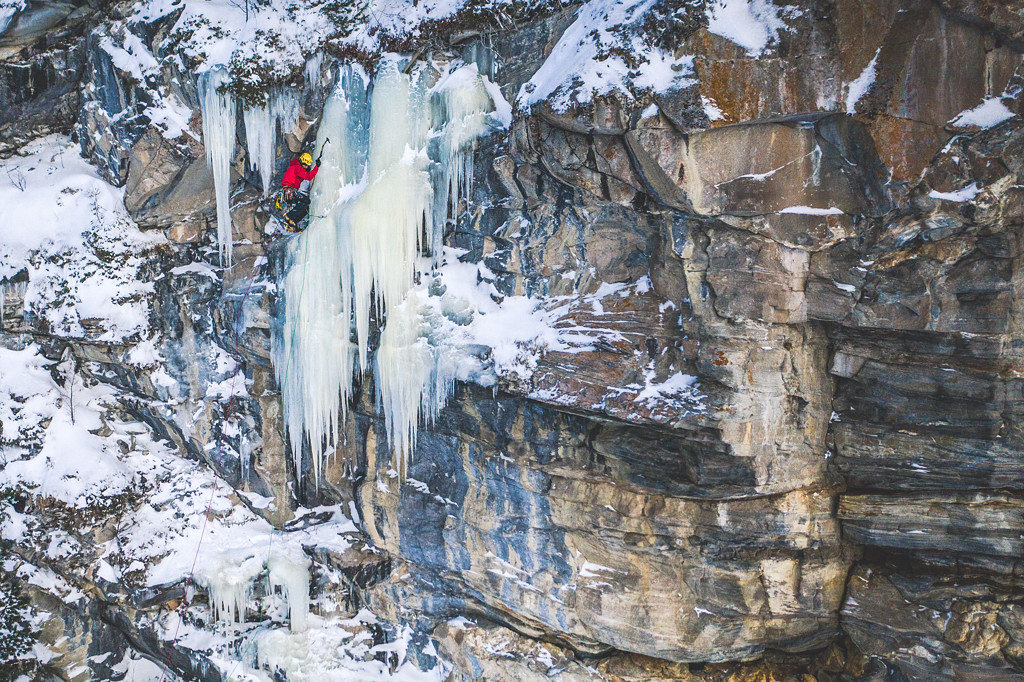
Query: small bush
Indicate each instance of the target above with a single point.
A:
(16, 637)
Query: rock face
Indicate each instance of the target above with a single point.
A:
(41, 67)
(804, 233)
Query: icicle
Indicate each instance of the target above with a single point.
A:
(261, 131)
(313, 355)
(15, 290)
(460, 105)
(413, 379)
(244, 455)
(291, 573)
(219, 139)
(229, 584)
(313, 68)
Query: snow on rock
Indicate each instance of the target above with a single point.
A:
(751, 24)
(812, 210)
(339, 651)
(961, 195)
(135, 667)
(8, 10)
(456, 326)
(711, 109)
(169, 115)
(860, 86)
(69, 230)
(133, 57)
(215, 33)
(678, 389)
(130, 55)
(586, 62)
(988, 114)
(177, 523)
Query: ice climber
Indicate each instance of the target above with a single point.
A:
(295, 188)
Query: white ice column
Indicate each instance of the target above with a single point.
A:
(388, 217)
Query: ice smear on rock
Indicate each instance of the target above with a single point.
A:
(261, 125)
(219, 138)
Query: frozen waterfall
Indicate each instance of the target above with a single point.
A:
(313, 353)
(399, 161)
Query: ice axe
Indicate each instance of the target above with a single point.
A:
(327, 141)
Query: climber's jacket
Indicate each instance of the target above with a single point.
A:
(295, 174)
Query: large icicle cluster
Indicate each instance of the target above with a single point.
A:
(219, 111)
(261, 124)
(387, 219)
(382, 198)
(230, 575)
(414, 377)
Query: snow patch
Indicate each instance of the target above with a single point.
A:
(859, 87)
(812, 210)
(961, 195)
(751, 24)
(583, 63)
(69, 230)
(991, 112)
(711, 109)
(8, 10)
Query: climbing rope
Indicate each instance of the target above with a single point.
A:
(220, 446)
(270, 544)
